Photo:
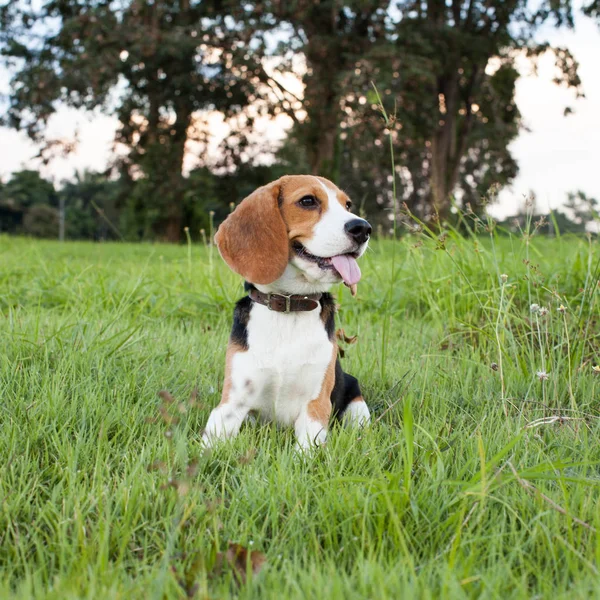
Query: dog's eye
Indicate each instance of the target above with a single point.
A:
(348, 205)
(308, 202)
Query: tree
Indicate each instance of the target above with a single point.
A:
(28, 204)
(153, 64)
(448, 76)
(582, 209)
(330, 36)
(592, 9)
(335, 36)
(41, 220)
(24, 191)
(27, 188)
(91, 210)
(446, 72)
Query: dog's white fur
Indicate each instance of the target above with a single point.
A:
(278, 375)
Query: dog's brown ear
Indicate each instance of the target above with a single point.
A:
(253, 238)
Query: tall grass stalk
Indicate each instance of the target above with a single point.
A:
(499, 318)
(389, 123)
(569, 358)
(542, 374)
(211, 238)
(189, 252)
(591, 289)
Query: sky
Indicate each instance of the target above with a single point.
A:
(556, 154)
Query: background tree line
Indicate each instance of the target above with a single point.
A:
(31, 205)
(445, 70)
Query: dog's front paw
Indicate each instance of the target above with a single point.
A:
(357, 414)
(309, 436)
(208, 442)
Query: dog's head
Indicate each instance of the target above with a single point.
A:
(297, 233)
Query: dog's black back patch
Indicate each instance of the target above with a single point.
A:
(345, 390)
(328, 315)
(241, 316)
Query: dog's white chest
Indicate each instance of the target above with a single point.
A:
(285, 364)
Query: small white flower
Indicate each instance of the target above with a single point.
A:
(534, 308)
(562, 308)
(543, 311)
(504, 277)
(542, 375)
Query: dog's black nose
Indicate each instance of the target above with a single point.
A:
(359, 230)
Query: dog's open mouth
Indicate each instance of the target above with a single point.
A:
(344, 265)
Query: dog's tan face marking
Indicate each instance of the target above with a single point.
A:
(300, 222)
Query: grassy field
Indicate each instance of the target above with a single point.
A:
(479, 478)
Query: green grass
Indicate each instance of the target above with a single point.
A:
(455, 490)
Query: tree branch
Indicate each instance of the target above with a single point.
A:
(277, 86)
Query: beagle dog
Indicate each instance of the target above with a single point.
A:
(291, 241)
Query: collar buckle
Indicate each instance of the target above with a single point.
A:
(288, 301)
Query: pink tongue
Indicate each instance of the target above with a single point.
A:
(347, 267)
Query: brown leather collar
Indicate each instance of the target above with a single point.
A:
(285, 303)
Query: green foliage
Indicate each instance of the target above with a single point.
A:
(582, 208)
(445, 70)
(91, 210)
(447, 74)
(168, 60)
(26, 199)
(476, 479)
(41, 221)
(28, 188)
(592, 9)
(101, 208)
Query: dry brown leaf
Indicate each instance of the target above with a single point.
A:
(248, 457)
(212, 505)
(192, 469)
(158, 465)
(166, 417)
(239, 558)
(166, 397)
(193, 396)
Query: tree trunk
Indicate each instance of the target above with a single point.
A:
(171, 227)
(445, 151)
(439, 169)
(326, 60)
(173, 224)
(321, 152)
(177, 133)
